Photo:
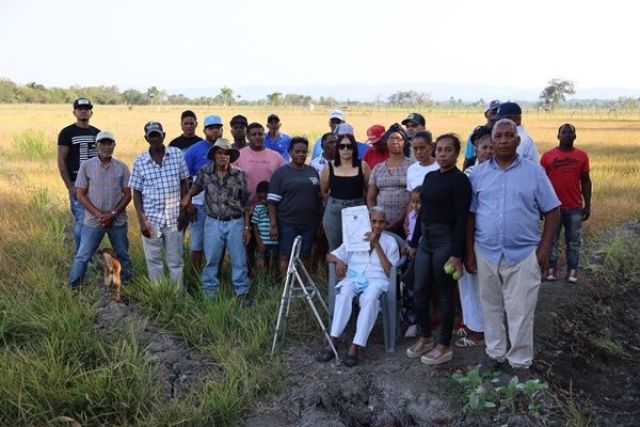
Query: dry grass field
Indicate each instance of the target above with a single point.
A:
(53, 361)
(612, 143)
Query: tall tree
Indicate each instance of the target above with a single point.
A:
(226, 96)
(555, 93)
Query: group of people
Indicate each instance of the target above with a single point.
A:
(252, 196)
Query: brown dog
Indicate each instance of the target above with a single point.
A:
(111, 272)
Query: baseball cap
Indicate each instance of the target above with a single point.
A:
(337, 114)
(344, 129)
(493, 105)
(152, 127)
(212, 120)
(375, 134)
(416, 118)
(105, 134)
(272, 118)
(507, 109)
(82, 102)
(479, 132)
(239, 119)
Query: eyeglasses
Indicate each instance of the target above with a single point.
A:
(345, 146)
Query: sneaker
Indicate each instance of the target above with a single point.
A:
(419, 348)
(552, 275)
(573, 276)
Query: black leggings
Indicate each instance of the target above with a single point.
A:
(433, 252)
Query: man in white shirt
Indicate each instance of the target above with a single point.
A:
(513, 112)
(364, 274)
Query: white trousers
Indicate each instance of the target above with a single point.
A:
(169, 241)
(472, 315)
(514, 290)
(369, 301)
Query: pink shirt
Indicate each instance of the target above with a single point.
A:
(258, 166)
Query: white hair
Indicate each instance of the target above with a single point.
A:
(501, 122)
(376, 210)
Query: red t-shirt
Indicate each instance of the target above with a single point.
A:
(565, 169)
(373, 157)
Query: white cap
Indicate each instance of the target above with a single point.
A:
(337, 114)
(105, 134)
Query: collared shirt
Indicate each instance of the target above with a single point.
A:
(507, 204)
(526, 148)
(196, 158)
(223, 197)
(368, 263)
(280, 144)
(319, 163)
(160, 185)
(104, 184)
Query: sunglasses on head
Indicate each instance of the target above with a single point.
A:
(345, 146)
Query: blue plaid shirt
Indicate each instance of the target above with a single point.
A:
(160, 185)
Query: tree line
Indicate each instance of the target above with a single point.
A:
(550, 98)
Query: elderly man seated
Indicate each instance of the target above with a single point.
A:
(364, 274)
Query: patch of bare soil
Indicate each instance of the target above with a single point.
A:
(588, 339)
(179, 369)
(574, 324)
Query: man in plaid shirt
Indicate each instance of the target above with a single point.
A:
(159, 178)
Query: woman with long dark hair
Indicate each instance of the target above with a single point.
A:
(343, 184)
(440, 239)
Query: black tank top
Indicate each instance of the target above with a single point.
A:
(346, 187)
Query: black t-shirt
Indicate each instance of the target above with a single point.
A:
(182, 142)
(297, 193)
(82, 146)
(446, 198)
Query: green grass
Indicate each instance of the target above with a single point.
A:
(54, 362)
(32, 145)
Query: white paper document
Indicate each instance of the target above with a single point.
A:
(355, 224)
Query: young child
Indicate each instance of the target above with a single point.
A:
(412, 215)
(267, 249)
(408, 315)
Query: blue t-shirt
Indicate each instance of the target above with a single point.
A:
(280, 144)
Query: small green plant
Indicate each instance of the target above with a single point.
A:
(480, 393)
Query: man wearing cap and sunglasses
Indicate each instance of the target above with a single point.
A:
(159, 179)
(102, 187)
(196, 157)
(413, 124)
(76, 143)
(227, 217)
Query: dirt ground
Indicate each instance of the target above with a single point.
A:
(574, 323)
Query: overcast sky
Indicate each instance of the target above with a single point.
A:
(181, 44)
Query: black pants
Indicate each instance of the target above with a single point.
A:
(433, 252)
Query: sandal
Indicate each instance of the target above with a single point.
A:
(468, 341)
(419, 348)
(431, 360)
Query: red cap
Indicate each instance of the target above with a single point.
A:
(375, 134)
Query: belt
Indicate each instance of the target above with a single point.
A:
(226, 218)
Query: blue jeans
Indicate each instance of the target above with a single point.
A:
(217, 234)
(287, 234)
(571, 221)
(77, 210)
(197, 229)
(91, 239)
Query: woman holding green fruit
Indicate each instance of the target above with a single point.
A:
(438, 247)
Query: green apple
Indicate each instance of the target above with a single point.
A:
(449, 269)
(457, 275)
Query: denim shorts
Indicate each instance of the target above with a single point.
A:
(287, 234)
(196, 230)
